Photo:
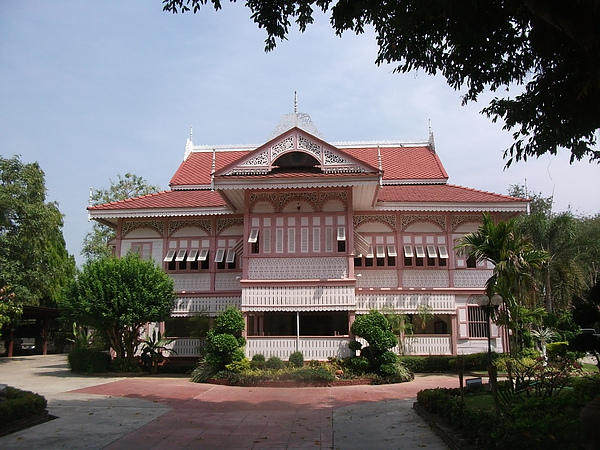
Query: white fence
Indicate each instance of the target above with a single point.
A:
(319, 348)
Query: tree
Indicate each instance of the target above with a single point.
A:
(561, 275)
(514, 260)
(34, 262)
(116, 296)
(95, 243)
(377, 331)
(548, 50)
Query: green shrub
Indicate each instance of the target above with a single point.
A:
(585, 389)
(20, 405)
(274, 363)
(258, 361)
(239, 366)
(416, 364)
(296, 359)
(354, 345)
(203, 371)
(88, 360)
(122, 365)
(312, 374)
(557, 350)
(358, 364)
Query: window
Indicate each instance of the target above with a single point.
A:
(431, 255)
(420, 252)
(478, 326)
(253, 239)
(443, 261)
(144, 249)
(408, 255)
(471, 262)
(391, 249)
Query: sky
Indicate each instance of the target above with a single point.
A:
(90, 90)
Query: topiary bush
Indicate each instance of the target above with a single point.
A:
(87, 360)
(274, 363)
(258, 361)
(296, 359)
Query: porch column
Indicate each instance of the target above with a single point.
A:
(245, 330)
(351, 318)
(454, 335)
(297, 331)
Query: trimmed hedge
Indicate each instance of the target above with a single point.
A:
(20, 405)
(87, 360)
(441, 364)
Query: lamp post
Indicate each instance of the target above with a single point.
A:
(488, 303)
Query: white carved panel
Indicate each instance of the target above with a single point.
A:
(298, 298)
(377, 279)
(471, 278)
(211, 306)
(405, 303)
(297, 268)
(191, 282)
(425, 278)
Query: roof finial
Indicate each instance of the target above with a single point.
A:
(192, 133)
(431, 140)
(295, 102)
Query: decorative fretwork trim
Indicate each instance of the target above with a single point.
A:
(226, 223)
(436, 219)
(286, 197)
(342, 196)
(203, 224)
(387, 219)
(282, 147)
(309, 146)
(457, 221)
(156, 225)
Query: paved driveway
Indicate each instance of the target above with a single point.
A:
(172, 413)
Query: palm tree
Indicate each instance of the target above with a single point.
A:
(514, 260)
(560, 274)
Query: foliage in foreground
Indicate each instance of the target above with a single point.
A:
(117, 296)
(539, 419)
(20, 405)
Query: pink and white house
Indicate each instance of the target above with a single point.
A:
(303, 235)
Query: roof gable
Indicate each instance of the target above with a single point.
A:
(309, 151)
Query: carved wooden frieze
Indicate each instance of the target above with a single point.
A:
(342, 196)
(204, 224)
(310, 197)
(129, 226)
(436, 219)
(458, 220)
(226, 223)
(388, 219)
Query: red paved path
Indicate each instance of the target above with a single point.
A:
(225, 417)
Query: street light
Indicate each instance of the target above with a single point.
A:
(488, 303)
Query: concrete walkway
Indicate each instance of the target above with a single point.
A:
(172, 413)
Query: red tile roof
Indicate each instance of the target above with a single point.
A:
(398, 163)
(196, 169)
(446, 193)
(167, 199)
(403, 163)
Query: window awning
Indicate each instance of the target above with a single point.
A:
(169, 256)
(361, 245)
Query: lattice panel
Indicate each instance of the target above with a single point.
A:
(310, 146)
(405, 303)
(229, 281)
(297, 268)
(377, 279)
(471, 278)
(191, 282)
(425, 278)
